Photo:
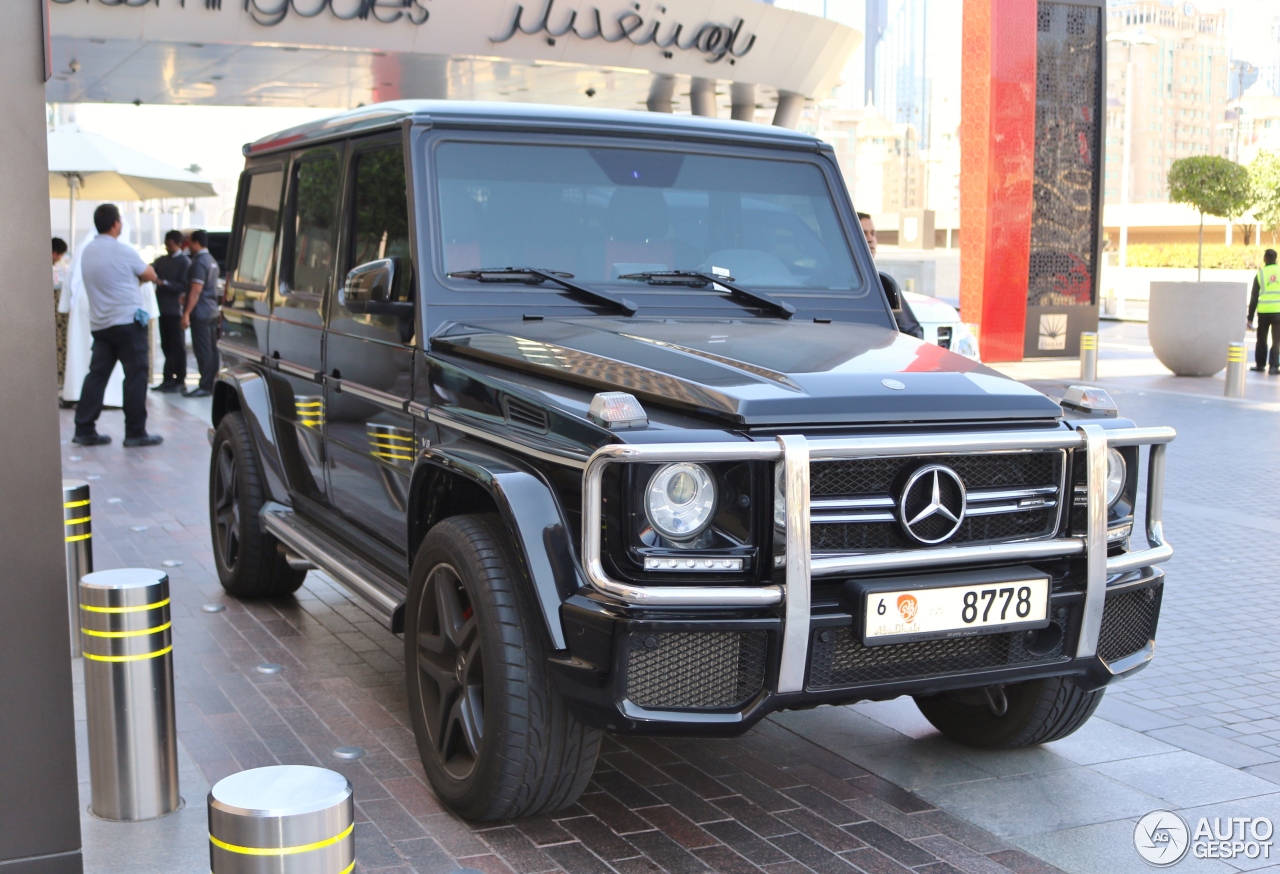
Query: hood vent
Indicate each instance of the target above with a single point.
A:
(525, 415)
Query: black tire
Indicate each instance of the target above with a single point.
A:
(250, 564)
(1039, 711)
(496, 739)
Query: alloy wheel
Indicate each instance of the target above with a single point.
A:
(226, 507)
(450, 671)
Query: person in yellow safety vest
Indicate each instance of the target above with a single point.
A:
(1266, 301)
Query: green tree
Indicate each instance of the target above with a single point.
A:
(1264, 179)
(1214, 186)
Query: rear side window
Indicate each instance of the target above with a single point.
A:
(316, 217)
(260, 227)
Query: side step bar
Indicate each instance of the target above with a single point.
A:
(376, 592)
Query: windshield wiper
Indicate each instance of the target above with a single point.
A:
(698, 279)
(535, 276)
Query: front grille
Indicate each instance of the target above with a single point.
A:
(883, 478)
(838, 657)
(1129, 621)
(695, 669)
(877, 476)
(868, 536)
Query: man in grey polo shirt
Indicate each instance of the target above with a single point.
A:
(202, 314)
(112, 275)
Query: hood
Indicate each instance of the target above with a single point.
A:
(755, 372)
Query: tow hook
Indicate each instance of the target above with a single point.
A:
(996, 700)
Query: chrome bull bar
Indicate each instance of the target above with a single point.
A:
(796, 452)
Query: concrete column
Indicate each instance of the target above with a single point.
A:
(702, 97)
(788, 112)
(661, 92)
(40, 818)
(742, 98)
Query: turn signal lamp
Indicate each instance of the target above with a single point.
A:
(1091, 400)
(617, 411)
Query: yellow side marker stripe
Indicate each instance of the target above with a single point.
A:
(75, 538)
(129, 658)
(79, 521)
(283, 851)
(142, 633)
(124, 609)
(379, 435)
(70, 504)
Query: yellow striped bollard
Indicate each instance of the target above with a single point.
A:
(1235, 370)
(128, 687)
(77, 528)
(1089, 356)
(284, 819)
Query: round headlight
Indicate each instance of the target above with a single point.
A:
(1117, 473)
(680, 500)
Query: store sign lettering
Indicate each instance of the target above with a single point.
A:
(271, 12)
(713, 40)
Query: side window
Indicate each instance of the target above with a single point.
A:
(315, 223)
(259, 229)
(380, 219)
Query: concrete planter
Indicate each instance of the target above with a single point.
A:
(1191, 323)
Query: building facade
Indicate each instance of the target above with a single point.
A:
(1179, 92)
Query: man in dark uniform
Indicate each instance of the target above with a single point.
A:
(171, 289)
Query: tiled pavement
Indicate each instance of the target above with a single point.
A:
(1198, 731)
(774, 801)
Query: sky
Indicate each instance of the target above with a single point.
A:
(210, 136)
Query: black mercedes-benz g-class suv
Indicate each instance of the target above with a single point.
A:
(607, 412)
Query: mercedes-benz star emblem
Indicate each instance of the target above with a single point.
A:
(932, 504)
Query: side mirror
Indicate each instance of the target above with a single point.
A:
(372, 289)
(891, 291)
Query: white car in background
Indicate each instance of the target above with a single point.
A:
(942, 325)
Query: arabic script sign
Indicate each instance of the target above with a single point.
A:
(716, 41)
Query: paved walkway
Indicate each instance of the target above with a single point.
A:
(870, 787)
(777, 800)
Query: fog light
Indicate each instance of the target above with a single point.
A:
(1120, 532)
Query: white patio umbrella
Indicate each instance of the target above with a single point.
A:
(84, 165)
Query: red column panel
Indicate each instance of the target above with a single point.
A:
(997, 141)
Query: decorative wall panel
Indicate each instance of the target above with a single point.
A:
(1064, 221)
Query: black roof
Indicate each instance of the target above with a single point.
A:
(529, 116)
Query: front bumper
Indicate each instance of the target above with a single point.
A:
(733, 654)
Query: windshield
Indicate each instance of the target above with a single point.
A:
(601, 213)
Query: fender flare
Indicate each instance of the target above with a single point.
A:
(247, 390)
(528, 507)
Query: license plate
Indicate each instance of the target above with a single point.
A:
(955, 611)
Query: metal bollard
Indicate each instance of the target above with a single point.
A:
(78, 533)
(1235, 370)
(284, 819)
(128, 685)
(1089, 356)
